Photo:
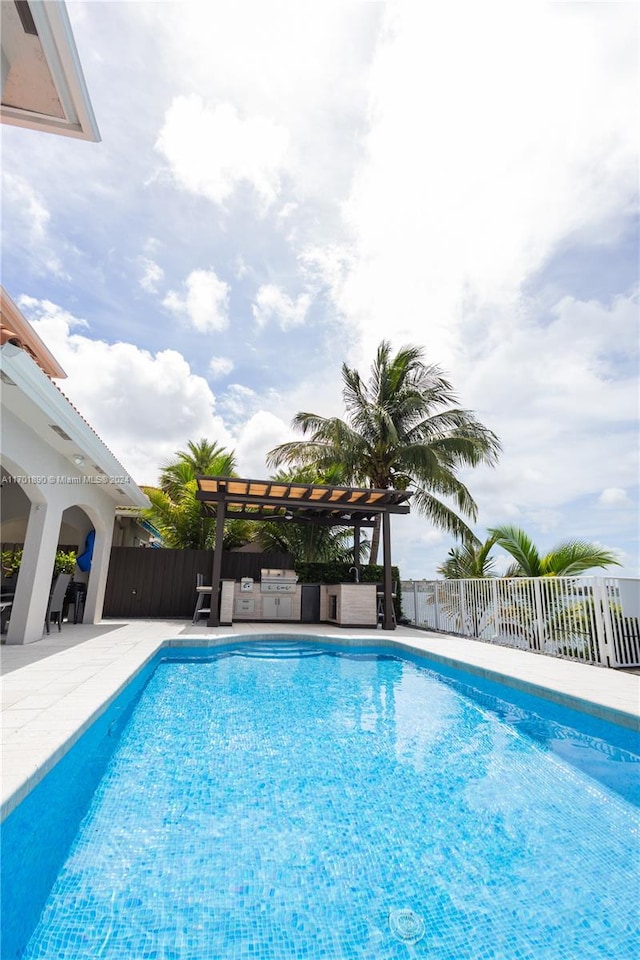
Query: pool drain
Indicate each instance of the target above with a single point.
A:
(406, 925)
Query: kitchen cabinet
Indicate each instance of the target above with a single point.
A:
(277, 608)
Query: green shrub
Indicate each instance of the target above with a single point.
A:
(11, 560)
(63, 563)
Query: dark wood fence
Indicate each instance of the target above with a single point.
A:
(162, 583)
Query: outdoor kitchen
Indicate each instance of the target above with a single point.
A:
(279, 596)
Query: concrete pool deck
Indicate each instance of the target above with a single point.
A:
(51, 691)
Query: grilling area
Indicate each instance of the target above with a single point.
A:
(278, 595)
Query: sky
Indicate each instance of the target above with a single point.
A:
(280, 186)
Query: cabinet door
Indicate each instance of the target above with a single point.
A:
(269, 607)
(277, 608)
(285, 608)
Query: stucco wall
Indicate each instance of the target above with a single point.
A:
(42, 471)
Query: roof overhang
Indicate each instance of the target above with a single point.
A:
(29, 394)
(43, 86)
(14, 328)
(299, 502)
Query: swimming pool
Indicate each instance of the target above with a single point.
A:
(288, 801)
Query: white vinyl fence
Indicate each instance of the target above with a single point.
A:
(592, 619)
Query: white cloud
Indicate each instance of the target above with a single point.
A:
(240, 268)
(152, 275)
(205, 304)
(562, 396)
(211, 150)
(614, 497)
(238, 402)
(24, 206)
(563, 399)
(581, 361)
(36, 215)
(108, 381)
(300, 68)
(328, 265)
(50, 321)
(480, 163)
(152, 246)
(260, 433)
(288, 210)
(220, 366)
(272, 303)
(433, 536)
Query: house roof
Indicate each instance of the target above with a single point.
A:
(301, 502)
(43, 86)
(14, 328)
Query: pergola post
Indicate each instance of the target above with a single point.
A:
(387, 621)
(356, 548)
(214, 613)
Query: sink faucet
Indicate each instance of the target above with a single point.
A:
(356, 575)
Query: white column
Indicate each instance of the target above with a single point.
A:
(36, 571)
(98, 574)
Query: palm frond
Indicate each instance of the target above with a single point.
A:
(441, 515)
(574, 557)
(470, 560)
(176, 513)
(518, 545)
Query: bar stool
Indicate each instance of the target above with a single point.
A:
(203, 593)
(380, 599)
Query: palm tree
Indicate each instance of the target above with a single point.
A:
(401, 431)
(177, 514)
(560, 615)
(201, 457)
(308, 542)
(178, 518)
(469, 561)
(567, 614)
(567, 559)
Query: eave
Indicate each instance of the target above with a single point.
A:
(29, 394)
(44, 69)
(15, 329)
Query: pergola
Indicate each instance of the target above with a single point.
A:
(230, 498)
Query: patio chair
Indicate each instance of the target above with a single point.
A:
(5, 613)
(7, 594)
(56, 601)
(203, 593)
(74, 601)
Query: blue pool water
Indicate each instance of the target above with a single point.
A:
(272, 803)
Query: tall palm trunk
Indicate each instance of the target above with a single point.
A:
(375, 541)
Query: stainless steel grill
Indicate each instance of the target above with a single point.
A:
(278, 581)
